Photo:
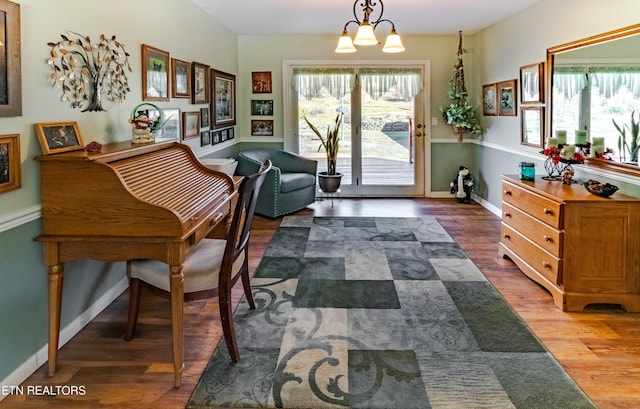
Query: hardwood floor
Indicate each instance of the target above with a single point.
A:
(599, 348)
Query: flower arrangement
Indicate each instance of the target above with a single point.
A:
(559, 161)
(564, 154)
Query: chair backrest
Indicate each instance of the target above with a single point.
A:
(240, 229)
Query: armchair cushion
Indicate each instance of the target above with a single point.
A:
(295, 181)
(290, 185)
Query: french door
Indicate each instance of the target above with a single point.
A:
(382, 134)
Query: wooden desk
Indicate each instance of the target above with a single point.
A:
(127, 202)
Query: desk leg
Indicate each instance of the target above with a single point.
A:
(177, 303)
(56, 274)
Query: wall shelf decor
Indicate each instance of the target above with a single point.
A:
(84, 70)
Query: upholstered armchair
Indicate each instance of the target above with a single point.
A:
(290, 185)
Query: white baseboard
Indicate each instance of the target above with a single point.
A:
(39, 358)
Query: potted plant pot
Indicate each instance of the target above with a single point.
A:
(329, 183)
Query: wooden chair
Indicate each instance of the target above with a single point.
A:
(211, 269)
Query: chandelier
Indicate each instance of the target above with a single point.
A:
(366, 28)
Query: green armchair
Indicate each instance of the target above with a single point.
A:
(290, 185)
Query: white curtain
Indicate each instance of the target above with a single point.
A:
(570, 80)
(377, 81)
(308, 82)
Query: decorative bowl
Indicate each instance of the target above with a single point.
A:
(600, 189)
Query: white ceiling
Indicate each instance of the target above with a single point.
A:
(329, 16)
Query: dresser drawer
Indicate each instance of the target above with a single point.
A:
(540, 260)
(540, 233)
(537, 206)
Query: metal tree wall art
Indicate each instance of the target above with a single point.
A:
(83, 71)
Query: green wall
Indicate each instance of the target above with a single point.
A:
(176, 26)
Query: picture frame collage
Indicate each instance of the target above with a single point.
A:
(261, 83)
(501, 99)
(165, 77)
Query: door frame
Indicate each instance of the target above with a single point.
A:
(290, 106)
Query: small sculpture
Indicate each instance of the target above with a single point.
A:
(567, 176)
(141, 128)
(462, 185)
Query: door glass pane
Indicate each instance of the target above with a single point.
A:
(321, 110)
(387, 140)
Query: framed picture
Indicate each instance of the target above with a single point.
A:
(180, 79)
(262, 107)
(10, 60)
(199, 83)
(532, 126)
(224, 99)
(532, 84)
(204, 117)
(230, 134)
(155, 74)
(190, 125)
(261, 82)
(507, 97)
(489, 100)
(9, 162)
(205, 138)
(171, 129)
(224, 134)
(215, 137)
(56, 137)
(261, 127)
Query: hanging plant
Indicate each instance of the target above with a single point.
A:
(460, 113)
(83, 71)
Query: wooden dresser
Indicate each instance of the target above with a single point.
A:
(583, 248)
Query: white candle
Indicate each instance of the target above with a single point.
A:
(597, 140)
(552, 142)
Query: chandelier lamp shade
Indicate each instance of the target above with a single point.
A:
(366, 30)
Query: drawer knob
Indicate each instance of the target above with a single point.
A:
(546, 265)
(507, 192)
(215, 219)
(507, 214)
(506, 236)
(547, 211)
(548, 239)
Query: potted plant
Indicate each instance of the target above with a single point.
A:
(459, 113)
(635, 138)
(329, 181)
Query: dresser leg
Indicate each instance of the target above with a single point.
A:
(177, 303)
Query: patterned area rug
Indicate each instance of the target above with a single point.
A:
(379, 313)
